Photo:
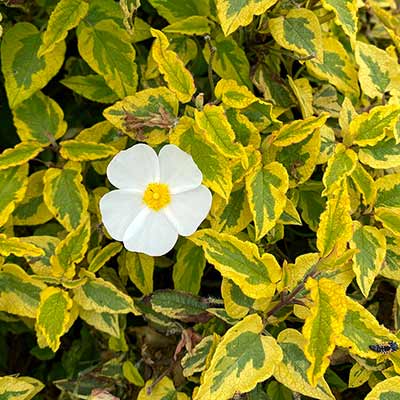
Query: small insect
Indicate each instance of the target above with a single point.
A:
(385, 348)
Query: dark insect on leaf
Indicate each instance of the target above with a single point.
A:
(385, 348)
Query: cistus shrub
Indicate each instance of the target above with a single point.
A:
(200, 199)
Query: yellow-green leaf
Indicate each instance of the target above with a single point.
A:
(242, 358)
(299, 30)
(104, 322)
(385, 154)
(65, 196)
(386, 390)
(389, 217)
(217, 130)
(19, 154)
(340, 165)
(245, 131)
(79, 150)
(173, 10)
(39, 118)
(361, 330)
(193, 25)
(337, 67)
(358, 375)
(304, 94)
(19, 388)
(371, 246)
(346, 14)
(233, 14)
(53, 315)
(140, 268)
(147, 116)
(16, 246)
(298, 130)
(24, 72)
(188, 268)
(240, 261)
(102, 296)
(292, 370)
(163, 390)
(335, 227)
(197, 360)
(364, 183)
(104, 255)
(266, 191)
(369, 128)
(132, 374)
(215, 168)
(229, 60)
(19, 292)
(92, 87)
(13, 184)
(65, 16)
(107, 49)
(323, 325)
(178, 78)
(70, 251)
(232, 216)
(234, 95)
(379, 72)
(391, 264)
(388, 188)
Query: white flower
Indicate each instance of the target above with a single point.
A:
(158, 197)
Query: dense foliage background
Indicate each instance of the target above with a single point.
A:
(291, 110)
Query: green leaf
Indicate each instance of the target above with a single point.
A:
(292, 370)
(53, 315)
(323, 324)
(196, 361)
(298, 130)
(39, 118)
(173, 10)
(140, 269)
(92, 87)
(215, 168)
(66, 15)
(240, 261)
(299, 30)
(364, 183)
(19, 292)
(391, 264)
(79, 150)
(388, 188)
(312, 203)
(346, 15)
(106, 48)
(229, 60)
(19, 154)
(104, 255)
(132, 374)
(70, 251)
(368, 129)
(104, 322)
(371, 246)
(13, 184)
(335, 228)
(188, 268)
(65, 196)
(385, 154)
(242, 359)
(266, 192)
(24, 72)
(246, 132)
(389, 217)
(147, 116)
(386, 390)
(193, 25)
(178, 78)
(102, 296)
(235, 13)
(162, 390)
(337, 67)
(379, 72)
(19, 388)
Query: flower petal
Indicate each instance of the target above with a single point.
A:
(178, 170)
(118, 209)
(187, 210)
(150, 233)
(134, 168)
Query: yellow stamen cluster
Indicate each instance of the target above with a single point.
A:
(156, 196)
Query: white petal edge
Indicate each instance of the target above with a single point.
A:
(134, 168)
(178, 170)
(151, 233)
(118, 209)
(187, 210)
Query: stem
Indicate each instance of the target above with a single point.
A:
(212, 50)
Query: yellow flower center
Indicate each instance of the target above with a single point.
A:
(156, 196)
